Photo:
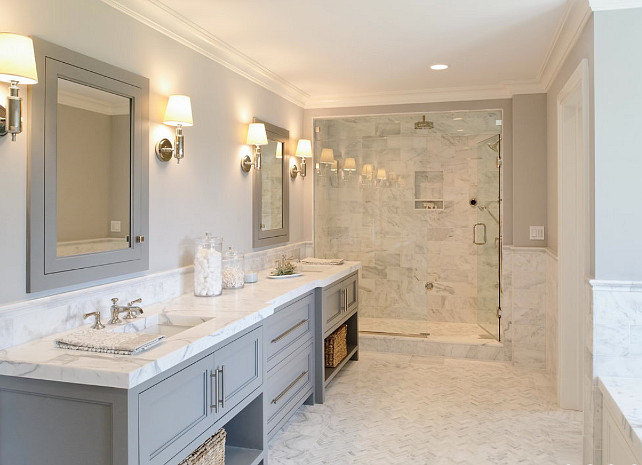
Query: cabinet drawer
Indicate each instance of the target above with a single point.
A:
(339, 299)
(172, 413)
(288, 386)
(287, 329)
(239, 370)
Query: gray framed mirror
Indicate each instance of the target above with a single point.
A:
(88, 170)
(270, 204)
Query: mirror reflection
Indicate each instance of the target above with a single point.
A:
(272, 186)
(93, 170)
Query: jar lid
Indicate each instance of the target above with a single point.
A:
(231, 253)
(210, 238)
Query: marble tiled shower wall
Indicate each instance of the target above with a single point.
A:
(377, 221)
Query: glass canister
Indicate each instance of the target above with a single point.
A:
(208, 265)
(233, 269)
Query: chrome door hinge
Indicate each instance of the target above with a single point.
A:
(499, 312)
(500, 162)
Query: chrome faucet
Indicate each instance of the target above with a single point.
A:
(131, 310)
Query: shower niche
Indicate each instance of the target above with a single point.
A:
(429, 190)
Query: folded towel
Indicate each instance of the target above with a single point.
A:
(107, 342)
(322, 261)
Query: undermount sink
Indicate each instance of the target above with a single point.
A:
(166, 324)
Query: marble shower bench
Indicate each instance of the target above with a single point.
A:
(60, 406)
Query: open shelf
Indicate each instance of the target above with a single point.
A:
(332, 372)
(242, 456)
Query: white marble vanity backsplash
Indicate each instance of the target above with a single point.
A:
(27, 320)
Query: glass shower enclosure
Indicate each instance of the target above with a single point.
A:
(417, 199)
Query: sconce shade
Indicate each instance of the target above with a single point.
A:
(279, 150)
(327, 156)
(17, 59)
(256, 135)
(350, 165)
(381, 174)
(179, 111)
(304, 148)
(367, 169)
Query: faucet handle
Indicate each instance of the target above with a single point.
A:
(97, 323)
(114, 301)
(137, 301)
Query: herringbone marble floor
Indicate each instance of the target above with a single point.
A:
(403, 409)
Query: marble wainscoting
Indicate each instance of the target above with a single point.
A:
(27, 320)
(534, 308)
(613, 349)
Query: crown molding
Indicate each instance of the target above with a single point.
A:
(577, 14)
(602, 5)
(84, 102)
(452, 94)
(175, 26)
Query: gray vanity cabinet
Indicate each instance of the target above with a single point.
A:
(289, 363)
(177, 410)
(340, 304)
(339, 299)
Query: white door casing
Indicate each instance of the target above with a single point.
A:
(574, 234)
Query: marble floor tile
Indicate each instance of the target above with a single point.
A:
(399, 409)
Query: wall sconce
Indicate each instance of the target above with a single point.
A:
(303, 150)
(381, 176)
(256, 136)
(350, 165)
(179, 114)
(327, 157)
(17, 66)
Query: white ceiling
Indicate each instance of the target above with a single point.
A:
(345, 50)
(339, 47)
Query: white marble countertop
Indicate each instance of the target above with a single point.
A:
(232, 312)
(625, 394)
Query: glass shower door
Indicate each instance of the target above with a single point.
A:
(487, 235)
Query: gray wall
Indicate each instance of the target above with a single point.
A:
(529, 168)
(582, 49)
(528, 207)
(618, 159)
(207, 191)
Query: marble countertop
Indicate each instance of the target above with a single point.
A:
(625, 394)
(232, 312)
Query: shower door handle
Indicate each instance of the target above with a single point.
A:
(483, 241)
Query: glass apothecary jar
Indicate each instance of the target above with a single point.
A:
(208, 266)
(233, 269)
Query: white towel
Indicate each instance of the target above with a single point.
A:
(322, 261)
(93, 340)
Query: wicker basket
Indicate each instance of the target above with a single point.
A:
(211, 452)
(336, 347)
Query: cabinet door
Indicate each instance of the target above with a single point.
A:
(238, 370)
(339, 299)
(172, 413)
(616, 450)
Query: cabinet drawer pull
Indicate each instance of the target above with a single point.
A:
(290, 386)
(214, 390)
(282, 335)
(221, 371)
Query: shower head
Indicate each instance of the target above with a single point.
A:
(423, 124)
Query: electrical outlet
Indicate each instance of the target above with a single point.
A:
(537, 233)
(115, 226)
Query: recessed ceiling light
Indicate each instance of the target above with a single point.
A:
(439, 67)
(458, 118)
(460, 130)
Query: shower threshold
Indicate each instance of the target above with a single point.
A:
(443, 339)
